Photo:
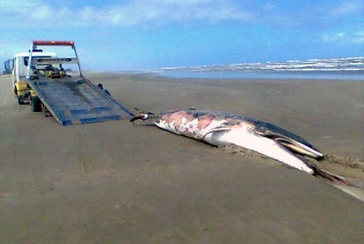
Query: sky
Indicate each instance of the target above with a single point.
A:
(125, 35)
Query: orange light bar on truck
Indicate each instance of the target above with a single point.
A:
(53, 43)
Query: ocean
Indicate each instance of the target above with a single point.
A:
(343, 75)
(350, 68)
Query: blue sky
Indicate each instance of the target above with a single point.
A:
(119, 35)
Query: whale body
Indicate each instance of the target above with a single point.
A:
(221, 128)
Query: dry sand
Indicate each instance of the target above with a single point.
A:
(113, 182)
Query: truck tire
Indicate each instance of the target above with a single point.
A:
(35, 104)
(19, 100)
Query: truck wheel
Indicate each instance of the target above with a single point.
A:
(35, 104)
(19, 100)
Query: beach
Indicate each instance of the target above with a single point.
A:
(115, 182)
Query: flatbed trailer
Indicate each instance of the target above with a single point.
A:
(71, 99)
(77, 101)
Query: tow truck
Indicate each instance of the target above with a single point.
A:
(56, 86)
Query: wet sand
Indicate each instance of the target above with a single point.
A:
(115, 182)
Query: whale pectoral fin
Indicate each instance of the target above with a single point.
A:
(215, 130)
(292, 144)
(222, 127)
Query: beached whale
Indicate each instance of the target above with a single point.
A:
(220, 128)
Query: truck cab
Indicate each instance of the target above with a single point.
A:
(20, 71)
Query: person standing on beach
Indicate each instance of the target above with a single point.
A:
(103, 89)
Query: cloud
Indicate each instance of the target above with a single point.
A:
(17, 6)
(344, 38)
(164, 12)
(330, 38)
(359, 37)
(136, 12)
(348, 7)
(67, 13)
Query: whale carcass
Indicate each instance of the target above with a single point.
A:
(221, 128)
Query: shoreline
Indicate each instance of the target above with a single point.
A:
(358, 76)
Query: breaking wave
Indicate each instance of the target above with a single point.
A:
(351, 64)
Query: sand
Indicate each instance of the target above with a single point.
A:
(115, 182)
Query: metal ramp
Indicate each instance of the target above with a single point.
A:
(77, 101)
